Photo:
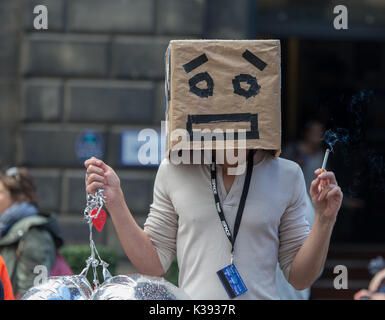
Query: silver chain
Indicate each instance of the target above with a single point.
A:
(94, 201)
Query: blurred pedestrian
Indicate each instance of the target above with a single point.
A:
(307, 152)
(376, 289)
(5, 282)
(28, 238)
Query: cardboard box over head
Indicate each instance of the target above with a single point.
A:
(214, 87)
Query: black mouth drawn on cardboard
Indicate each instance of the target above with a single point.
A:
(196, 119)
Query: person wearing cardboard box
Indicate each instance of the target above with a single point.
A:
(224, 203)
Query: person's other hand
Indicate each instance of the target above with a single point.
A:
(362, 293)
(375, 283)
(377, 296)
(101, 176)
(326, 195)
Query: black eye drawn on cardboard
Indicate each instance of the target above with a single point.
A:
(198, 78)
(203, 93)
(253, 89)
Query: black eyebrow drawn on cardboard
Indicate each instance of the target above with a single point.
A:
(254, 60)
(195, 63)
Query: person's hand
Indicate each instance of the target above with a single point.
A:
(377, 280)
(377, 296)
(101, 176)
(369, 295)
(374, 285)
(363, 293)
(326, 195)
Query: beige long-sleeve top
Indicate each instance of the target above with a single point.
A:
(183, 221)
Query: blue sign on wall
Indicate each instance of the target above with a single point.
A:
(89, 144)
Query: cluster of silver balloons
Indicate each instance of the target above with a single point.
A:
(130, 287)
(77, 287)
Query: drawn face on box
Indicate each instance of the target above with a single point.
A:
(234, 85)
(208, 89)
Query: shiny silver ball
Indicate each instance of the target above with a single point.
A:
(138, 287)
(61, 288)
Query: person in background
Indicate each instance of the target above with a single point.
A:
(307, 152)
(309, 155)
(28, 238)
(376, 289)
(5, 282)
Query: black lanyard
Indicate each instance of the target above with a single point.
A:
(242, 202)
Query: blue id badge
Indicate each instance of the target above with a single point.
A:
(232, 281)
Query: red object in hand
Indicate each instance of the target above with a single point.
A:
(100, 220)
